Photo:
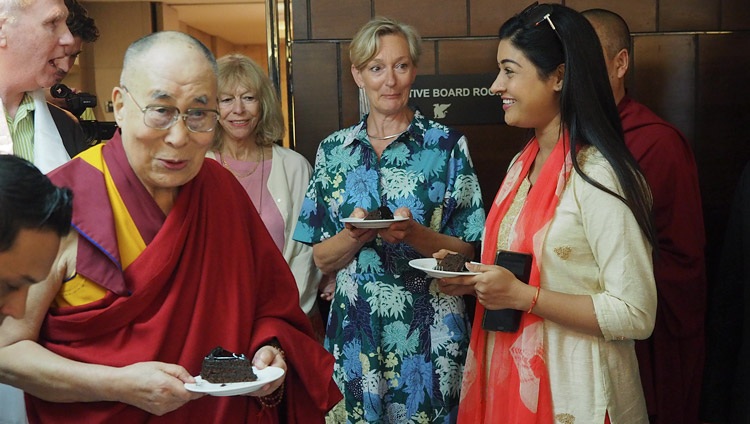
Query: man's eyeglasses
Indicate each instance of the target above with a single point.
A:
(160, 117)
(537, 13)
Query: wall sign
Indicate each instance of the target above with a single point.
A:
(457, 99)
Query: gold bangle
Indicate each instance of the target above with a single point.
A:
(533, 301)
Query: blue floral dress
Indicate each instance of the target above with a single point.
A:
(398, 342)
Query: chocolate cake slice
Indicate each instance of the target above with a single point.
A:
(382, 212)
(222, 366)
(453, 262)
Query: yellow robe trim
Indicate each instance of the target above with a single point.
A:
(79, 290)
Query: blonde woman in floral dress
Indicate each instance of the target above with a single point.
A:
(399, 343)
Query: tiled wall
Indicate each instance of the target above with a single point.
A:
(690, 64)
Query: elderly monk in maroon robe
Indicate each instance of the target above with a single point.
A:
(160, 270)
(671, 360)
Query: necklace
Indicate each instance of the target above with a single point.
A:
(261, 185)
(247, 174)
(388, 137)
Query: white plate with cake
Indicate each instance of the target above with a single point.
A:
(381, 217)
(428, 266)
(372, 223)
(225, 373)
(265, 376)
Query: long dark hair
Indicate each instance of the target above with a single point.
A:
(29, 200)
(550, 35)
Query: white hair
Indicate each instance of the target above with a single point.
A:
(9, 7)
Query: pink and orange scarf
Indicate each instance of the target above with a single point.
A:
(516, 389)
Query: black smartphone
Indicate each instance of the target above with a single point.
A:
(508, 319)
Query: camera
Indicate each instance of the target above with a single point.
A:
(94, 131)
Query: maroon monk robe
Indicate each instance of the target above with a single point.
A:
(211, 276)
(671, 360)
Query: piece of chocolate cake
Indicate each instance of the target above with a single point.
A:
(222, 366)
(453, 262)
(382, 212)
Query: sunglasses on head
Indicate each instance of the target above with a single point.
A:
(537, 13)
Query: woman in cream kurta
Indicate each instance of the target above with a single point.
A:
(593, 246)
(576, 201)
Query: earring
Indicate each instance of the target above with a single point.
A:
(364, 104)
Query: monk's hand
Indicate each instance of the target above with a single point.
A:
(155, 387)
(399, 231)
(269, 355)
(360, 235)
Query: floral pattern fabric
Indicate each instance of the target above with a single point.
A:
(399, 344)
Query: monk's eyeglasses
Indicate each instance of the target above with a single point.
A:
(159, 117)
(537, 13)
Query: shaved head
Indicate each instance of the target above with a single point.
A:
(611, 28)
(140, 47)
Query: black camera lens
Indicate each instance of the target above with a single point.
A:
(60, 91)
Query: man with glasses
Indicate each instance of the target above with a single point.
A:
(671, 360)
(159, 272)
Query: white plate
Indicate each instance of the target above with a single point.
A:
(428, 265)
(265, 376)
(372, 223)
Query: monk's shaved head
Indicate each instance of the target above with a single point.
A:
(139, 48)
(611, 28)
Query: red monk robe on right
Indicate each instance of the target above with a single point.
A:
(671, 360)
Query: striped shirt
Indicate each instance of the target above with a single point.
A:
(22, 129)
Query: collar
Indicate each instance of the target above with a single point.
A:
(415, 130)
(624, 102)
(24, 109)
(49, 150)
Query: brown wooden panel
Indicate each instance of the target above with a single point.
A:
(492, 147)
(689, 15)
(692, 81)
(488, 15)
(735, 15)
(663, 68)
(427, 65)
(316, 102)
(336, 19)
(300, 20)
(445, 18)
(467, 56)
(639, 14)
(722, 130)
